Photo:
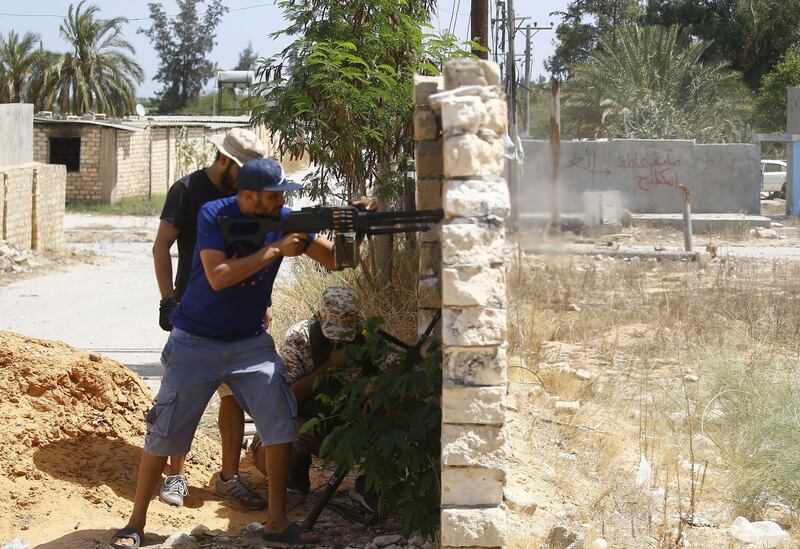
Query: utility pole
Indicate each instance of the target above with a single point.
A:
(526, 102)
(511, 73)
(555, 154)
(479, 26)
(511, 90)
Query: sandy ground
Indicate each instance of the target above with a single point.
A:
(68, 493)
(100, 297)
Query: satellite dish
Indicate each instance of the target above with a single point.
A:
(140, 110)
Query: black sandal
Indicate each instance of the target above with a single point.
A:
(126, 533)
(291, 535)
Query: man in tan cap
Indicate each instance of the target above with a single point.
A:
(179, 222)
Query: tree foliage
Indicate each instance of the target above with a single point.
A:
(19, 62)
(750, 34)
(247, 58)
(344, 91)
(183, 44)
(583, 22)
(653, 84)
(398, 434)
(771, 100)
(98, 74)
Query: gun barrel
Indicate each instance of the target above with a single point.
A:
(394, 218)
(396, 229)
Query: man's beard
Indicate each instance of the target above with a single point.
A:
(227, 182)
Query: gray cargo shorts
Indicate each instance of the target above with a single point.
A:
(195, 366)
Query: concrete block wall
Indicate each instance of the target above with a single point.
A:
(17, 193)
(85, 185)
(133, 165)
(32, 206)
(40, 144)
(160, 160)
(49, 191)
(460, 160)
(722, 178)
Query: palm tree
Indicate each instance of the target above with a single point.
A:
(19, 59)
(97, 74)
(652, 84)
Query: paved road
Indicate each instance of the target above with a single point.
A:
(110, 308)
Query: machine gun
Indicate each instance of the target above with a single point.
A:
(348, 224)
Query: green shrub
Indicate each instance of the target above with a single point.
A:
(396, 437)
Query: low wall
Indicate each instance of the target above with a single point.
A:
(32, 202)
(722, 178)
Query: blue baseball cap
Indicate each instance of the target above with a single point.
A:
(266, 175)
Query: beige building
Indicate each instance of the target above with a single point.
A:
(107, 160)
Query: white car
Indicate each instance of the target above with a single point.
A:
(773, 176)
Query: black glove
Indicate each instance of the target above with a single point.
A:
(165, 308)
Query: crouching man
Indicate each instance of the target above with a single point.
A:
(311, 350)
(218, 337)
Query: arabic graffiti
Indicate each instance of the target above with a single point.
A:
(586, 160)
(661, 171)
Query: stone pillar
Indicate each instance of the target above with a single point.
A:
(429, 168)
(475, 199)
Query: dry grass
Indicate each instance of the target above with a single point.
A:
(642, 326)
(394, 301)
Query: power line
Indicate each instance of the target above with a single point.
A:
(131, 18)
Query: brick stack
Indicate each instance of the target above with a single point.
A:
(133, 165)
(475, 198)
(32, 206)
(49, 189)
(17, 192)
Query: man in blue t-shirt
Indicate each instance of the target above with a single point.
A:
(218, 337)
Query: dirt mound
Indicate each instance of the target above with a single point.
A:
(71, 429)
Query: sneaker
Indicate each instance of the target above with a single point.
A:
(174, 490)
(359, 493)
(241, 492)
(299, 480)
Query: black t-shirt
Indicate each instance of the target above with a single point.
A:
(184, 200)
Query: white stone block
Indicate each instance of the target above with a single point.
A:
(496, 114)
(474, 365)
(469, 72)
(473, 445)
(473, 326)
(476, 198)
(474, 527)
(471, 285)
(472, 486)
(472, 244)
(471, 155)
(463, 114)
(473, 405)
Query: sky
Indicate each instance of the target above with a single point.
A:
(249, 20)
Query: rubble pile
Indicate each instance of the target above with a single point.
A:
(14, 261)
(71, 428)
